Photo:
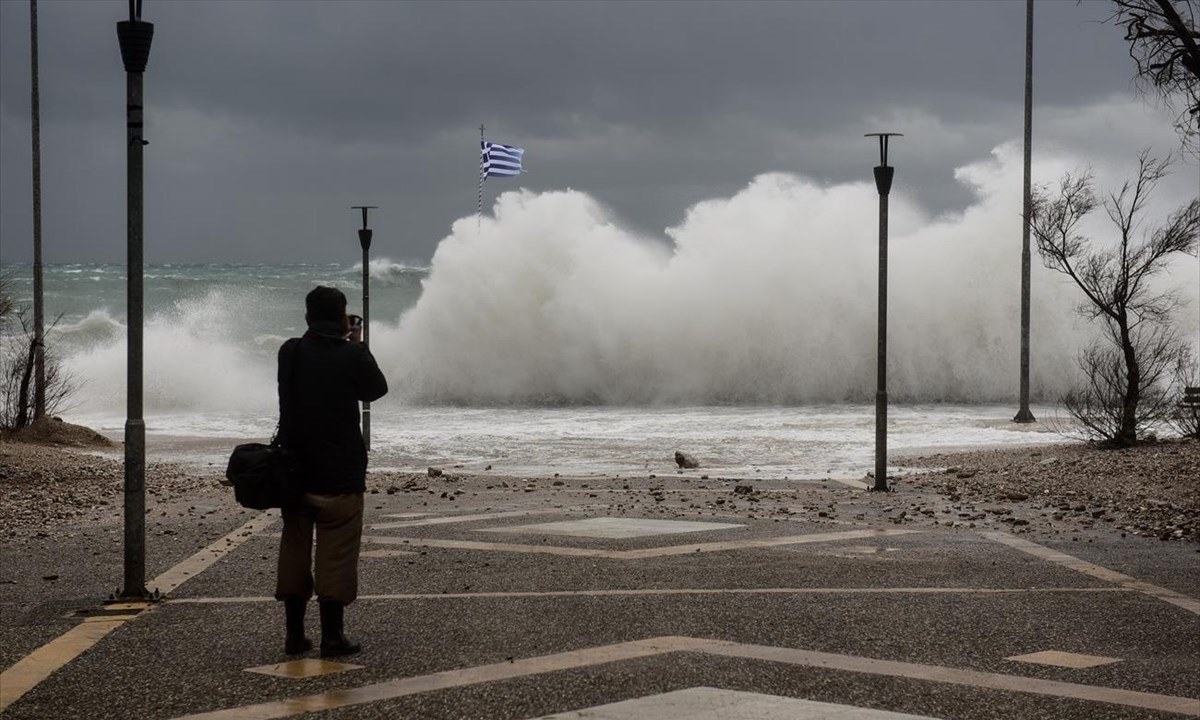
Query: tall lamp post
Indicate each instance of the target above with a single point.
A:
(134, 36)
(364, 239)
(1024, 414)
(883, 183)
(39, 322)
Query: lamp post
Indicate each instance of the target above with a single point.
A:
(883, 183)
(39, 322)
(1024, 414)
(134, 36)
(364, 239)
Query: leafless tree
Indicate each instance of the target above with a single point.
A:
(1098, 405)
(1164, 42)
(18, 345)
(1126, 370)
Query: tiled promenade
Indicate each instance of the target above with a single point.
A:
(507, 606)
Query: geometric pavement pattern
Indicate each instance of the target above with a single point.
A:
(401, 687)
(26, 673)
(702, 703)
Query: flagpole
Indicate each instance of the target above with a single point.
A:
(479, 204)
(495, 160)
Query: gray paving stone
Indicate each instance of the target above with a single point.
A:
(614, 527)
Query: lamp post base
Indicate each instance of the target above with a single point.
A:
(1024, 416)
(122, 596)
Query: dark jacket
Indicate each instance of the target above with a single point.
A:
(318, 407)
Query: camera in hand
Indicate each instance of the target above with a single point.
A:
(356, 322)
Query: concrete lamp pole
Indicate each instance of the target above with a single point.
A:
(134, 36)
(364, 239)
(39, 318)
(883, 182)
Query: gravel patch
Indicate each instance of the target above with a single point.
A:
(54, 477)
(1149, 490)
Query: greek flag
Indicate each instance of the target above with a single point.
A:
(500, 160)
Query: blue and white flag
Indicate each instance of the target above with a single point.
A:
(500, 160)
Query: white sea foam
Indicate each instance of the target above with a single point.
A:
(798, 442)
(193, 361)
(97, 327)
(768, 296)
(730, 441)
(387, 271)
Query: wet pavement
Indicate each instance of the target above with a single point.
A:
(554, 603)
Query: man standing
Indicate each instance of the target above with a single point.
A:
(322, 378)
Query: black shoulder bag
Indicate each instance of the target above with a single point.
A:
(265, 475)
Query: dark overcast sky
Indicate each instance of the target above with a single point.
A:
(267, 120)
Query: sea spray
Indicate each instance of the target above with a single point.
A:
(764, 297)
(385, 271)
(768, 296)
(194, 361)
(99, 326)
(212, 331)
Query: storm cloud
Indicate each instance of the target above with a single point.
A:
(268, 120)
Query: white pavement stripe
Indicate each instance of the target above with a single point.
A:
(1059, 658)
(385, 553)
(761, 543)
(706, 703)
(1190, 604)
(447, 520)
(634, 554)
(480, 545)
(400, 687)
(973, 678)
(449, 679)
(38, 665)
(682, 591)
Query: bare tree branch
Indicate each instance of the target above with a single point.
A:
(1127, 374)
(16, 356)
(1164, 43)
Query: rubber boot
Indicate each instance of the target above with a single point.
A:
(295, 642)
(333, 641)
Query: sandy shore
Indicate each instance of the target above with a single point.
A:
(72, 476)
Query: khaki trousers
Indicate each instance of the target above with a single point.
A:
(338, 523)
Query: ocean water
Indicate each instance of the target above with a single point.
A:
(212, 332)
(546, 335)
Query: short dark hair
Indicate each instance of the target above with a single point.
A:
(325, 303)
